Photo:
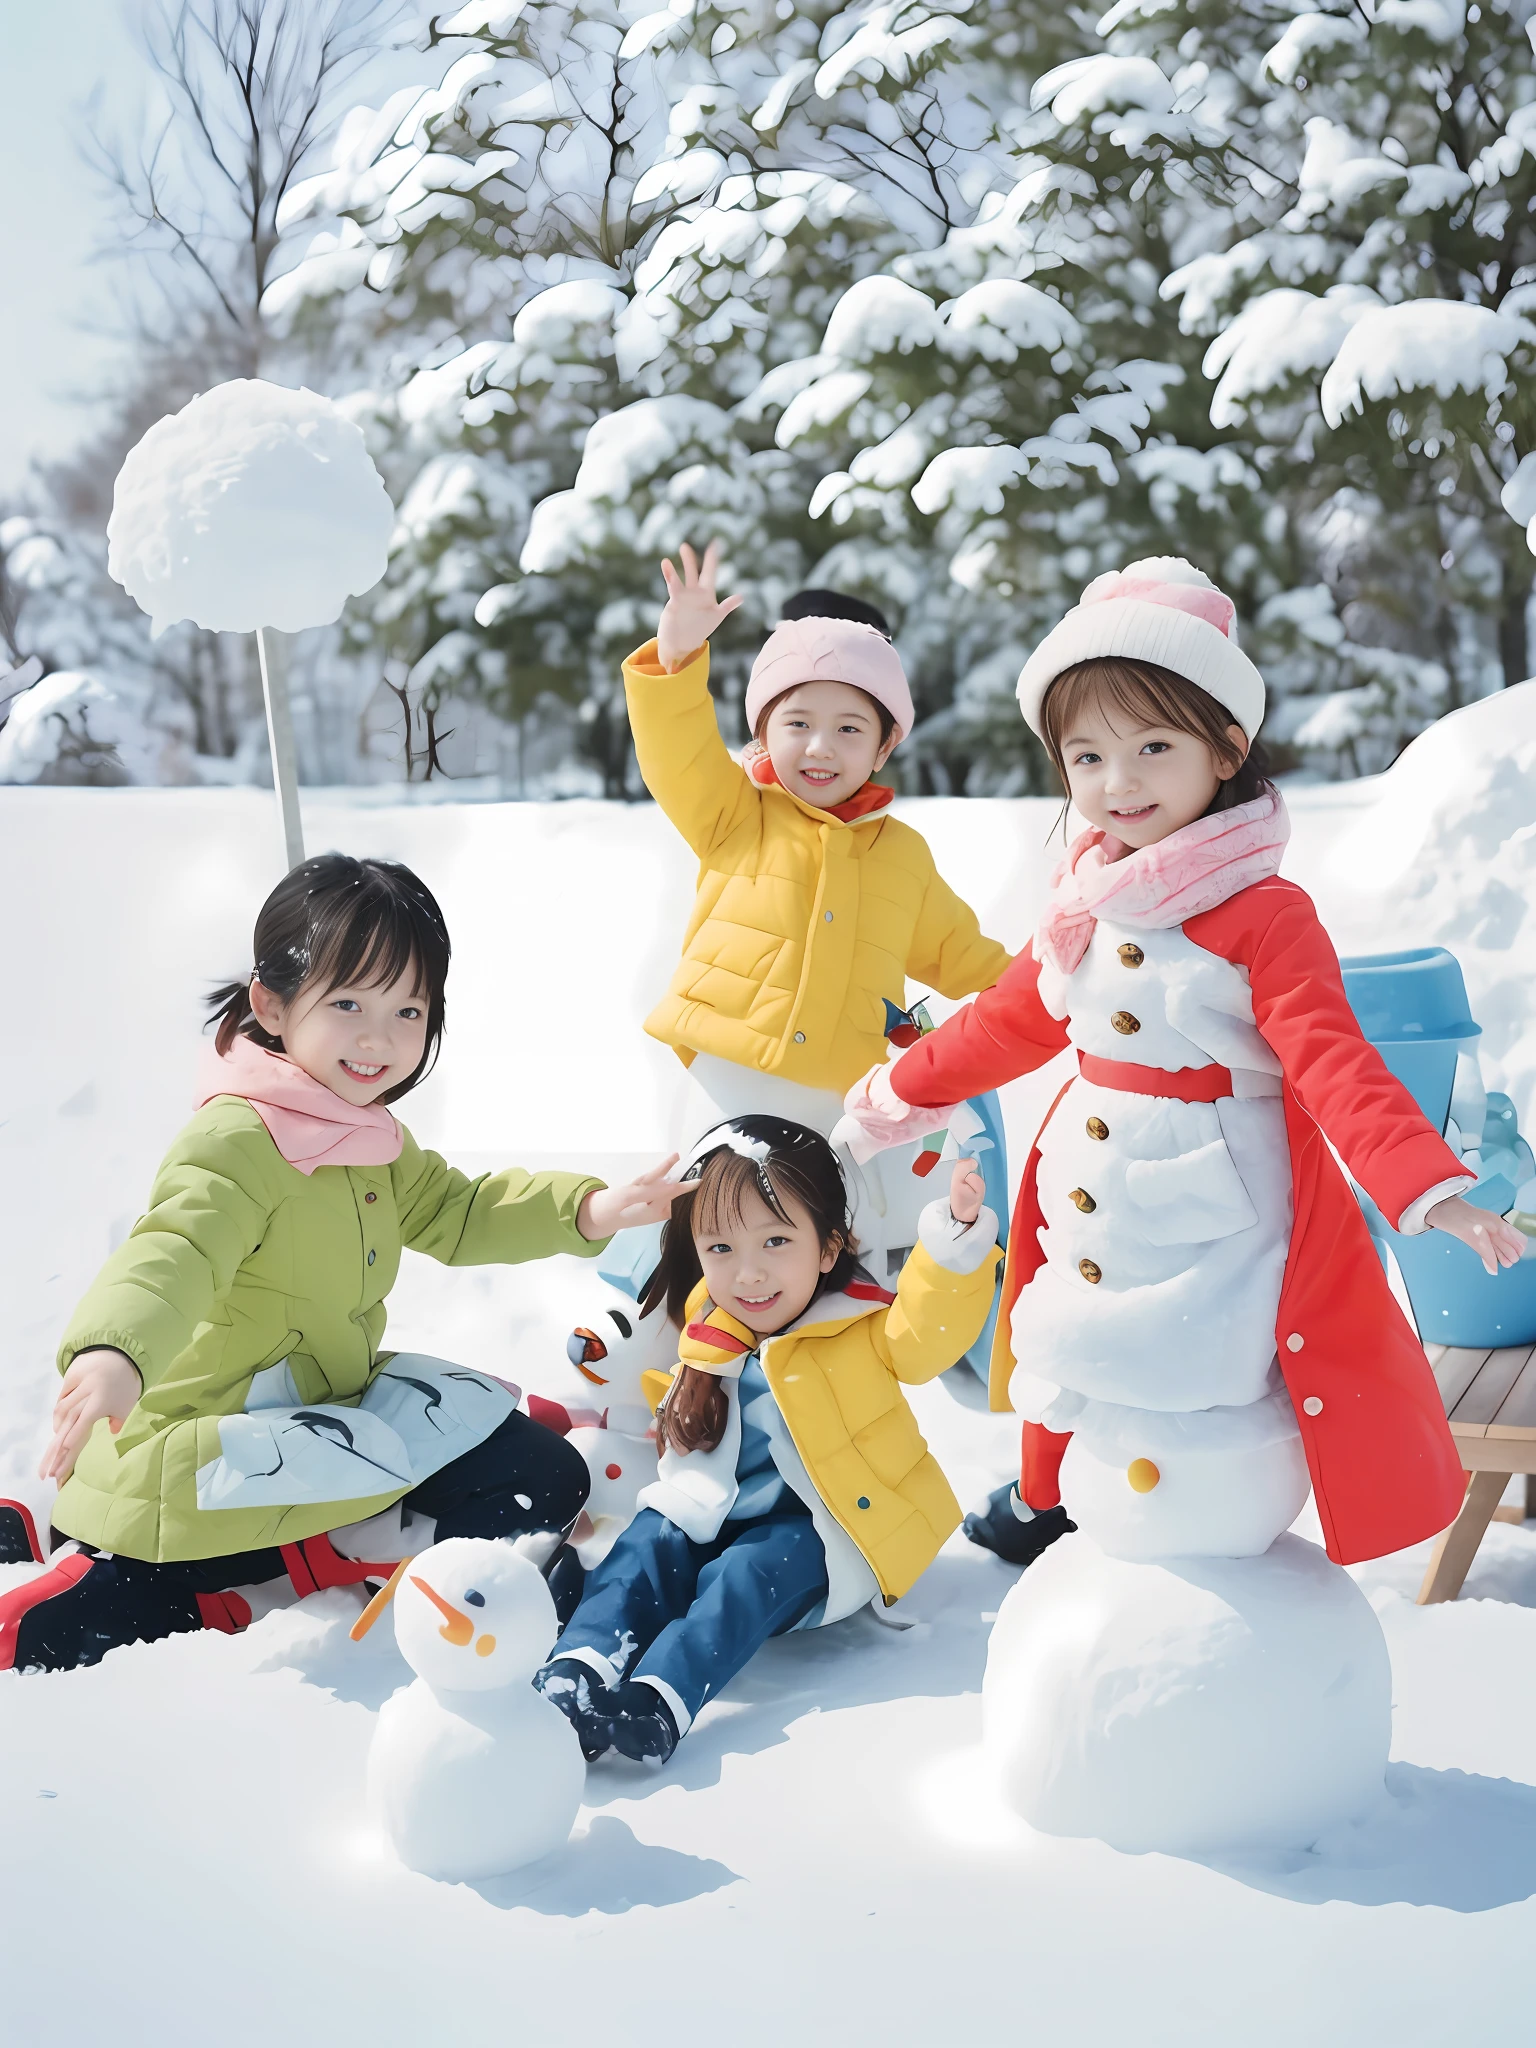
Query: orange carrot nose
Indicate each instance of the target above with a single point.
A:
(378, 1603)
(457, 1628)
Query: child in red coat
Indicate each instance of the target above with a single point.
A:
(1184, 1241)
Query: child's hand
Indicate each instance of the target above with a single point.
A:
(967, 1191)
(692, 1418)
(1496, 1242)
(99, 1383)
(690, 613)
(648, 1198)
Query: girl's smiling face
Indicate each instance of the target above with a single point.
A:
(1140, 782)
(824, 742)
(356, 1041)
(762, 1268)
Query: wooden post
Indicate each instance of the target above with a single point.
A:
(285, 772)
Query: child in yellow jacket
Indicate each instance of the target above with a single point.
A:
(813, 903)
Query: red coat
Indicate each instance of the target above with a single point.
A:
(1385, 1471)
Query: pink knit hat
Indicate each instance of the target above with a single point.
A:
(830, 651)
(1162, 610)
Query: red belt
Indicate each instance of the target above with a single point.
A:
(1189, 1084)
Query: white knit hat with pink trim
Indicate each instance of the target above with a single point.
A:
(830, 651)
(1162, 610)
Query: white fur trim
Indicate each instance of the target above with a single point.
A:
(1412, 1222)
(680, 1713)
(957, 1247)
(1139, 630)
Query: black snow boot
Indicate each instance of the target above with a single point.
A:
(637, 1722)
(1017, 1542)
(18, 1535)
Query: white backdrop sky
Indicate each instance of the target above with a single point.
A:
(57, 57)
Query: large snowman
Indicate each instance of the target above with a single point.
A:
(1200, 1325)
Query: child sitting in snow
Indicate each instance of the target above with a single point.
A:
(1183, 1240)
(227, 1414)
(813, 903)
(794, 1485)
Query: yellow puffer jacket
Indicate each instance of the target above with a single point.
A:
(836, 1376)
(802, 925)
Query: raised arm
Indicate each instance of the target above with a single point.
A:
(945, 1291)
(949, 949)
(684, 762)
(1005, 1032)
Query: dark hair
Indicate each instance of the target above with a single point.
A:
(1155, 696)
(834, 604)
(343, 923)
(795, 1165)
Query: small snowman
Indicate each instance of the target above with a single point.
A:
(472, 1772)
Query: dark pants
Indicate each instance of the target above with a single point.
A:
(522, 1478)
(692, 1614)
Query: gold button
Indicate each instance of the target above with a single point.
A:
(1084, 1200)
(1090, 1272)
(1130, 956)
(1097, 1128)
(1142, 1475)
(1125, 1023)
(1312, 1405)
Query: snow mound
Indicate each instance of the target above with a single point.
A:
(1447, 856)
(255, 505)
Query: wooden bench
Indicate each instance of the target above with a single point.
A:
(1490, 1401)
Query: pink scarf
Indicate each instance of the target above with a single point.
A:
(1159, 886)
(310, 1124)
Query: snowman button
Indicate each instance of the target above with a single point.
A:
(1295, 1341)
(1125, 1023)
(1130, 956)
(1083, 1200)
(1091, 1273)
(1097, 1128)
(1311, 1405)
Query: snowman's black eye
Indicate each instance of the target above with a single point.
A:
(473, 1599)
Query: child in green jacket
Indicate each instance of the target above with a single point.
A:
(227, 1414)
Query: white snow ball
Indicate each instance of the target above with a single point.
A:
(1438, 345)
(1195, 1706)
(1218, 1482)
(255, 505)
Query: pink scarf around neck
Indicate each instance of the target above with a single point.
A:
(310, 1124)
(1160, 886)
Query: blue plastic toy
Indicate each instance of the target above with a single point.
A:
(1413, 1008)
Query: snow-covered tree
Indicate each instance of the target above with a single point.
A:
(595, 245)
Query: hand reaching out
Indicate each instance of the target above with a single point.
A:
(1496, 1242)
(100, 1384)
(648, 1198)
(691, 612)
(967, 1191)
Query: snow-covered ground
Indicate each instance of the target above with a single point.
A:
(187, 1855)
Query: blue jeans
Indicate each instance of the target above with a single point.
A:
(692, 1614)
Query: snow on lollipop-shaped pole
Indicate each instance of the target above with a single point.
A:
(254, 509)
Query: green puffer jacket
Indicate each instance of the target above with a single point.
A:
(242, 1262)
